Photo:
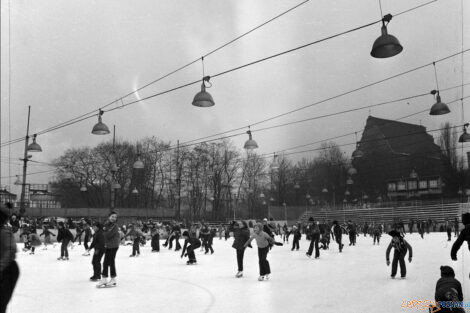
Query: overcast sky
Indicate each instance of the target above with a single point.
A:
(72, 57)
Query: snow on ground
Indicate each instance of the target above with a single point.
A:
(356, 280)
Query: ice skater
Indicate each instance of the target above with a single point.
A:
(449, 230)
(88, 236)
(297, 235)
(136, 236)
(98, 245)
(47, 236)
(155, 234)
(241, 234)
(401, 248)
(377, 233)
(337, 232)
(314, 234)
(64, 236)
(263, 241)
(34, 241)
(352, 233)
(463, 236)
(191, 243)
(111, 243)
(9, 270)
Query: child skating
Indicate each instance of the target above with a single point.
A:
(401, 248)
(263, 241)
(191, 243)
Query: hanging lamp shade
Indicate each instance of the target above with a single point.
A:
(138, 164)
(379, 198)
(386, 45)
(347, 193)
(264, 202)
(83, 188)
(460, 191)
(135, 191)
(275, 164)
(465, 137)
(203, 99)
(324, 190)
(296, 186)
(250, 144)
(100, 128)
(352, 171)
(261, 195)
(307, 196)
(34, 147)
(357, 153)
(439, 108)
(18, 180)
(413, 174)
(271, 199)
(116, 185)
(365, 197)
(349, 181)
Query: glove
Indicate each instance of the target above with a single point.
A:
(181, 256)
(388, 262)
(409, 259)
(454, 258)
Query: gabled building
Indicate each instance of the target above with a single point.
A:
(399, 161)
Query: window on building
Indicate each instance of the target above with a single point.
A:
(401, 185)
(412, 185)
(423, 184)
(392, 187)
(433, 183)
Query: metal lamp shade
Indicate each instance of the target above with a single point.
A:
(250, 144)
(352, 171)
(116, 185)
(34, 147)
(386, 45)
(349, 181)
(203, 99)
(439, 108)
(357, 154)
(135, 191)
(83, 188)
(296, 186)
(100, 128)
(138, 164)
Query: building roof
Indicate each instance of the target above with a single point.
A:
(405, 138)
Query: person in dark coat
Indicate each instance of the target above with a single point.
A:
(111, 243)
(337, 235)
(297, 235)
(191, 243)
(64, 236)
(352, 230)
(88, 236)
(97, 244)
(456, 227)
(449, 230)
(448, 289)
(9, 271)
(14, 222)
(377, 232)
(464, 236)
(314, 234)
(155, 243)
(241, 234)
(401, 248)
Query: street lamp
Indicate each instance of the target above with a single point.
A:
(386, 45)
(100, 128)
(203, 99)
(33, 147)
(250, 144)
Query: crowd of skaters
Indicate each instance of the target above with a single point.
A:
(104, 239)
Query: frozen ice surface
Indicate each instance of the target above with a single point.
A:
(356, 280)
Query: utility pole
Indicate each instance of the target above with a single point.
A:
(25, 166)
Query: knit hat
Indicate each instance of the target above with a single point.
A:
(185, 233)
(335, 222)
(98, 225)
(447, 271)
(310, 219)
(394, 233)
(466, 218)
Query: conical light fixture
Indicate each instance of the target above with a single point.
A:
(138, 164)
(203, 99)
(352, 171)
(34, 147)
(413, 174)
(296, 186)
(275, 164)
(324, 190)
(18, 180)
(100, 128)
(261, 195)
(347, 193)
(250, 144)
(357, 153)
(271, 199)
(438, 108)
(465, 137)
(135, 191)
(83, 188)
(386, 45)
(349, 181)
(115, 185)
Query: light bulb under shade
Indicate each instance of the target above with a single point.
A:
(352, 171)
(349, 181)
(135, 191)
(116, 185)
(203, 99)
(357, 154)
(261, 195)
(83, 188)
(439, 108)
(100, 128)
(296, 186)
(386, 45)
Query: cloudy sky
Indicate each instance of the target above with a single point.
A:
(68, 58)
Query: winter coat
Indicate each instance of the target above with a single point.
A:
(337, 231)
(443, 285)
(7, 249)
(111, 235)
(401, 247)
(241, 236)
(464, 236)
(262, 240)
(98, 241)
(64, 234)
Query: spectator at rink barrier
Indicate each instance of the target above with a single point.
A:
(464, 236)
(448, 289)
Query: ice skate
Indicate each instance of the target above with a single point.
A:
(261, 278)
(102, 283)
(111, 283)
(392, 277)
(266, 277)
(86, 253)
(403, 277)
(308, 255)
(94, 278)
(31, 252)
(239, 274)
(60, 258)
(45, 248)
(66, 258)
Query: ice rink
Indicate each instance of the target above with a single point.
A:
(357, 280)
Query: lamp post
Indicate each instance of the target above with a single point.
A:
(285, 211)
(33, 147)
